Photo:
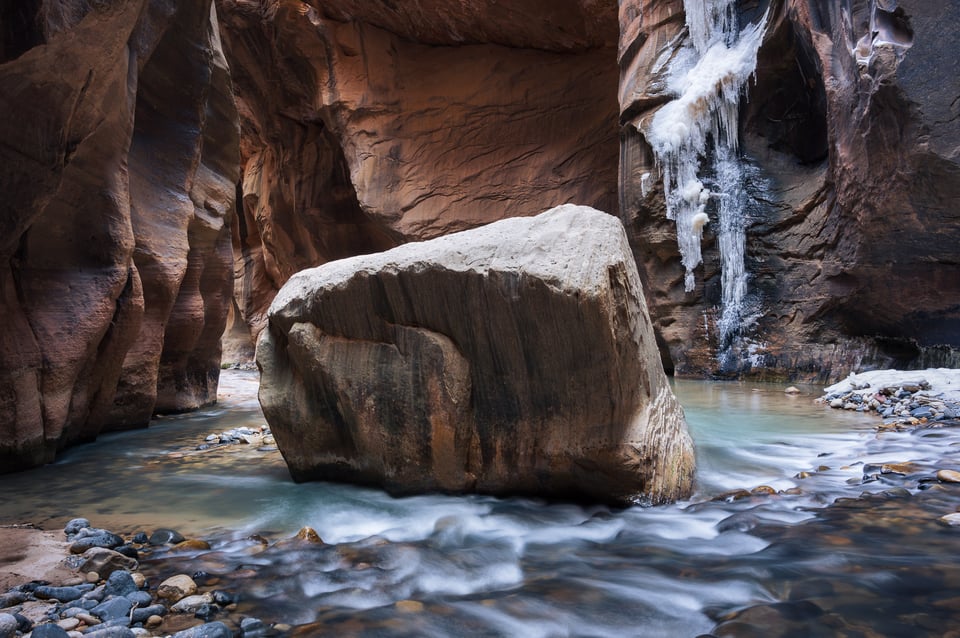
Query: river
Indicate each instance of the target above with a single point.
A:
(805, 522)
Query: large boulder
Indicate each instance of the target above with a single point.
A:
(513, 358)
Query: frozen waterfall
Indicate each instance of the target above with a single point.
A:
(694, 139)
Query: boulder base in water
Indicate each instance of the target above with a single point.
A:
(514, 358)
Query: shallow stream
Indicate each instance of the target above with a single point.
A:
(842, 537)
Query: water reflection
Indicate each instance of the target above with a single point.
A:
(851, 548)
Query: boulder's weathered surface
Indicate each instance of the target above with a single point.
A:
(513, 358)
(370, 124)
(118, 165)
(852, 133)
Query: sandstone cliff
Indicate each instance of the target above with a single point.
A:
(513, 358)
(118, 165)
(366, 125)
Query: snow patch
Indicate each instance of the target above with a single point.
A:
(944, 382)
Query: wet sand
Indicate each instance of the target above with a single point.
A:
(27, 553)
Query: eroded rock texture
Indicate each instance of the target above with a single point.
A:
(513, 358)
(369, 124)
(118, 168)
(852, 130)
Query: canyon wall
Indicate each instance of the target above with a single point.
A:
(367, 125)
(118, 168)
(850, 137)
(349, 127)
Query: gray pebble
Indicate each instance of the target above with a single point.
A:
(48, 631)
(110, 632)
(8, 626)
(75, 525)
(254, 628)
(112, 609)
(142, 613)
(120, 583)
(89, 538)
(139, 598)
(209, 630)
(63, 594)
(164, 536)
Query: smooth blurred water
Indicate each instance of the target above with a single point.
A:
(834, 553)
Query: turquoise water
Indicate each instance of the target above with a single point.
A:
(821, 552)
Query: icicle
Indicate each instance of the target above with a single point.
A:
(707, 75)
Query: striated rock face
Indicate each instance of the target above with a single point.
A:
(118, 167)
(513, 358)
(851, 139)
(370, 124)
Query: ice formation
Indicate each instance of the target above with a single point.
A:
(698, 127)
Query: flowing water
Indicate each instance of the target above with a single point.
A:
(835, 543)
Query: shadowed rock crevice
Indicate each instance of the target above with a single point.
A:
(366, 126)
(20, 28)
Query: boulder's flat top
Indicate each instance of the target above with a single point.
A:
(580, 233)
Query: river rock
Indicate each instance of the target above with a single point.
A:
(139, 598)
(120, 583)
(254, 628)
(948, 476)
(112, 609)
(74, 526)
(177, 587)
(309, 534)
(190, 604)
(69, 624)
(165, 536)
(111, 632)
(63, 594)
(94, 537)
(513, 358)
(209, 630)
(49, 630)
(144, 614)
(8, 625)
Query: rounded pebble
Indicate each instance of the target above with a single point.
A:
(165, 536)
(48, 631)
(8, 626)
(177, 587)
(951, 520)
(74, 526)
(948, 476)
(409, 606)
(69, 624)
